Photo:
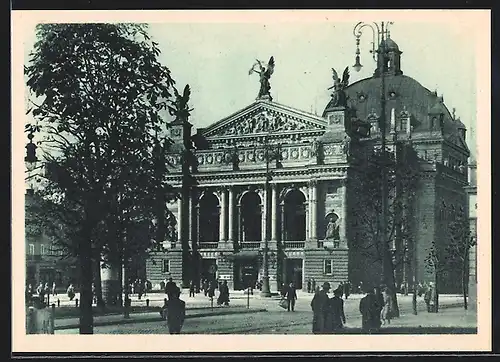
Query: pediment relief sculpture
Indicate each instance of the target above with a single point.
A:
(264, 122)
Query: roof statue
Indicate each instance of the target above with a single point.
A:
(265, 74)
(339, 98)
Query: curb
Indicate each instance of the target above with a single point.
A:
(160, 319)
(153, 310)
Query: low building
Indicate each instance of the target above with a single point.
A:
(45, 260)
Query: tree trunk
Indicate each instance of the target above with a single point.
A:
(390, 282)
(414, 300)
(436, 293)
(97, 280)
(120, 283)
(464, 285)
(126, 311)
(86, 274)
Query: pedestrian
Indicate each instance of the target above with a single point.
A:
(223, 294)
(386, 309)
(211, 289)
(140, 288)
(320, 305)
(370, 313)
(291, 296)
(170, 287)
(175, 312)
(337, 311)
(94, 295)
(380, 299)
(206, 286)
(309, 286)
(313, 285)
(46, 290)
(40, 291)
(347, 289)
(340, 289)
(71, 291)
(191, 288)
(54, 292)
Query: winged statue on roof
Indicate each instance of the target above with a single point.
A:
(264, 72)
(339, 97)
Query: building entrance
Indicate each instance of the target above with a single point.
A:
(245, 273)
(293, 269)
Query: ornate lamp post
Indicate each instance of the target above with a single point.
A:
(30, 160)
(380, 34)
(271, 152)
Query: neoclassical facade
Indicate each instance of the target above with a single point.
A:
(270, 171)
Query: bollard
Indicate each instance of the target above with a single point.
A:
(48, 300)
(147, 302)
(52, 319)
(212, 302)
(76, 302)
(58, 302)
(248, 298)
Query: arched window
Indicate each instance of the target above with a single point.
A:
(251, 217)
(294, 216)
(209, 218)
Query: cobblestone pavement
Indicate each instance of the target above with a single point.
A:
(279, 321)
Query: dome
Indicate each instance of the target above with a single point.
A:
(403, 93)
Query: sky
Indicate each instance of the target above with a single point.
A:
(214, 58)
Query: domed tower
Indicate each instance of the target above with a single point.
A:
(391, 65)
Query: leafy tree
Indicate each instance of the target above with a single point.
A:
(377, 247)
(97, 93)
(458, 247)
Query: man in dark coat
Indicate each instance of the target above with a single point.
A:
(320, 305)
(340, 289)
(370, 312)
(380, 298)
(191, 288)
(347, 289)
(309, 285)
(223, 294)
(175, 310)
(337, 311)
(291, 295)
(170, 288)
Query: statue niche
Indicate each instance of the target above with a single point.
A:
(332, 232)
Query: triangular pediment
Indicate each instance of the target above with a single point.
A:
(265, 117)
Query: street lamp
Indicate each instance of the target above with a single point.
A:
(270, 153)
(380, 34)
(30, 159)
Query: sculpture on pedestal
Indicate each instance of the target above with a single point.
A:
(339, 98)
(265, 74)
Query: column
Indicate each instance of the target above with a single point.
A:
(314, 210)
(179, 221)
(191, 219)
(222, 217)
(274, 212)
(264, 214)
(309, 212)
(343, 225)
(231, 215)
